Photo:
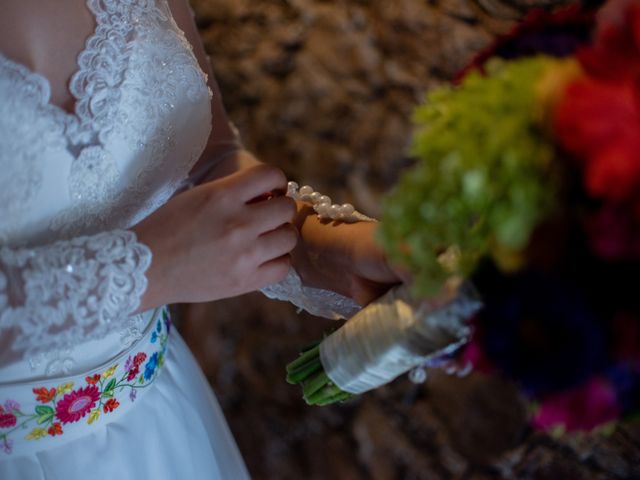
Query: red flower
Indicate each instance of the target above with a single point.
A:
(615, 52)
(77, 404)
(139, 359)
(111, 405)
(7, 420)
(582, 408)
(598, 120)
(93, 379)
(43, 395)
(55, 429)
(133, 372)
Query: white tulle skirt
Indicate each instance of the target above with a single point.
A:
(176, 430)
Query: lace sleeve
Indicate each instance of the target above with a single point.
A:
(58, 295)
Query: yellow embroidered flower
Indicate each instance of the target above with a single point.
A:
(110, 371)
(36, 434)
(64, 388)
(93, 416)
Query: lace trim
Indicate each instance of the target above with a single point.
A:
(23, 132)
(103, 63)
(62, 294)
(318, 302)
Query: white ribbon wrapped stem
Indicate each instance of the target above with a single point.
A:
(395, 334)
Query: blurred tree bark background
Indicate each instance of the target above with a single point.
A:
(325, 90)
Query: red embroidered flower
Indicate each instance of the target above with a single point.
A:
(43, 395)
(111, 405)
(7, 419)
(55, 429)
(93, 379)
(135, 368)
(139, 359)
(133, 373)
(77, 404)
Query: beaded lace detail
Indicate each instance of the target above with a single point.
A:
(69, 290)
(142, 118)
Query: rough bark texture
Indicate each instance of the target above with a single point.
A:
(325, 89)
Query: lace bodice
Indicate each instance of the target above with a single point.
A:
(71, 184)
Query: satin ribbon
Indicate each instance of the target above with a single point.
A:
(395, 334)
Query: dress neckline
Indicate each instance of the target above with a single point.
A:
(44, 81)
(101, 68)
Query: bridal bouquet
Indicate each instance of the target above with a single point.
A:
(520, 224)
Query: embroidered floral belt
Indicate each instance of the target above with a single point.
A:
(40, 416)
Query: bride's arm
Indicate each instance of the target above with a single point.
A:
(224, 152)
(56, 295)
(340, 257)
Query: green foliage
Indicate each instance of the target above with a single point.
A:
(484, 177)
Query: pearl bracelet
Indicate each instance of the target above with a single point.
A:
(323, 207)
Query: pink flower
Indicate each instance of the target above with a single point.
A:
(582, 408)
(11, 405)
(474, 355)
(77, 404)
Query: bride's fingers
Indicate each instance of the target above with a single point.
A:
(272, 271)
(253, 182)
(270, 214)
(276, 243)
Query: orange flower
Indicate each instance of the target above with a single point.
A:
(43, 395)
(93, 379)
(111, 405)
(55, 429)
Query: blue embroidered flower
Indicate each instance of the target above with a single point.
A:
(158, 327)
(151, 366)
(154, 337)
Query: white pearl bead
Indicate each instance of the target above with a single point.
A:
(306, 190)
(346, 210)
(324, 200)
(315, 197)
(322, 210)
(334, 211)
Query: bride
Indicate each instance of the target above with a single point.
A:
(123, 188)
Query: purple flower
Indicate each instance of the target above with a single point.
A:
(133, 394)
(7, 445)
(128, 364)
(11, 406)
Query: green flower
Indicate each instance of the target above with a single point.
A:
(484, 177)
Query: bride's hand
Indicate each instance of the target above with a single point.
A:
(220, 239)
(342, 257)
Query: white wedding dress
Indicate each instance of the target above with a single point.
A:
(88, 390)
